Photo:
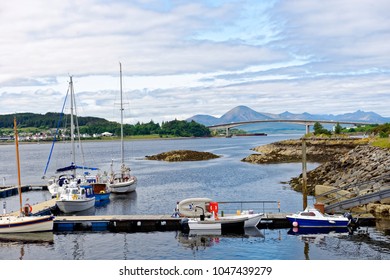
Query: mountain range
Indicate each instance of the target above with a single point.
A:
(244, 113)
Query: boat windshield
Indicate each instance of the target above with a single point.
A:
(308, 214)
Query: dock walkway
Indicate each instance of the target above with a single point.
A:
(133, 223)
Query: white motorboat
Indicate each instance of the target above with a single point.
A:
(233, 224)
(76, 198)
(195, 207)
(252, 218)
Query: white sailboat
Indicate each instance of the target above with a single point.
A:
(76, 194)
(24, 222)
(122, 181)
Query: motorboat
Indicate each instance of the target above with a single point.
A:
(195, 207)
(252, 218)
(234, 224)
(76, 198)
(312, 217)
(101, 191)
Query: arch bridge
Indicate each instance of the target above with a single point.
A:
(306, 123)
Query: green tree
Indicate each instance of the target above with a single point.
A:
(319, 129)
(337, 129)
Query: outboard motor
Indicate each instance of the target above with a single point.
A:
(351, 221)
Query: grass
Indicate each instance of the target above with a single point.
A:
(381, 142)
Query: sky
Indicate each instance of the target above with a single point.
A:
(182, 58)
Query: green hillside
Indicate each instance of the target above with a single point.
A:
(46, 123)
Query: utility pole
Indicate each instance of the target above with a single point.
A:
(304, 175)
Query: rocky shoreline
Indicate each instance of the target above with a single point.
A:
(344, 163)
(317, 150)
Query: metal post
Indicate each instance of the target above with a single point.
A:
(304, 175)
(307, 128)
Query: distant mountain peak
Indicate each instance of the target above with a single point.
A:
(243, 113)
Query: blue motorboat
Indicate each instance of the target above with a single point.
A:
(312, 217)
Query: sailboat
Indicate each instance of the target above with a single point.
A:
(123, 181)
(24, 222)
(76, 193)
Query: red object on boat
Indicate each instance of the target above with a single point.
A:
(213, 207)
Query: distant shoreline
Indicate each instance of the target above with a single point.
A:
(127, 138)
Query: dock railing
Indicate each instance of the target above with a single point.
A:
(258, 206)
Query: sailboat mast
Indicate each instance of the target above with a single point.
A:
(72, 124)
(121, 95)
(18, 164)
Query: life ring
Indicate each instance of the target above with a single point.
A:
(28, 208)
(101, 192)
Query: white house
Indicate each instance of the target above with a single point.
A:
(108, 134)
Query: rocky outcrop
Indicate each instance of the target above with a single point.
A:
(317, 150)
(346, 164)
(362, 164)
(183, 155)
(362, 170)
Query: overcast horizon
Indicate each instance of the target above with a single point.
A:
(183, 58)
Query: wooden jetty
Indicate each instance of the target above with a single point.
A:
(6, 191)
(140, 223)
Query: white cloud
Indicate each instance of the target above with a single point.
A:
(182, 58)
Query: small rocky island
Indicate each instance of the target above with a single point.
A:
(183, 155)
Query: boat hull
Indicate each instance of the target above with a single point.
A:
(102, 196)
(123, 187)
(223, 225)
(323, 223)
(101, 191)
(71, 206)
(14, 224)
(252, 219)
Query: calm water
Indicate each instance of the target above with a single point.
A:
(161, 184)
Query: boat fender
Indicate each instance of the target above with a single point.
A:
(295, 224)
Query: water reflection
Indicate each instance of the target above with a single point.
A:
(25, 238)
(383, 225)
(316, 231)
(202, 239)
